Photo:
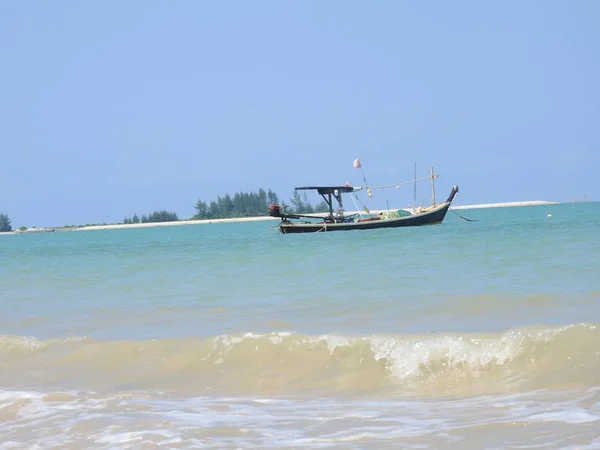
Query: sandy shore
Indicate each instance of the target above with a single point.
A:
(169, 224)
(505, 204)
(253, 219)
(261, 218)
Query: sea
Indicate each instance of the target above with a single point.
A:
(463, 335)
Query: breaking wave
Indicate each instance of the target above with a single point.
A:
(292, 363)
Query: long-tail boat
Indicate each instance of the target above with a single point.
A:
(338, 220)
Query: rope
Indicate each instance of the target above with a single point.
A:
(356, 206)
(464, 218)
(403, 182)
(363, 205)
(363, 175)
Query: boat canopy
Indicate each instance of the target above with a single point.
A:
(329, 189)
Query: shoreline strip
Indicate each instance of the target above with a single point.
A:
(261, 218)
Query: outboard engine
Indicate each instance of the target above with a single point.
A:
(274, 210)
(453, 192)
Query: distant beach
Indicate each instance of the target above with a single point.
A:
(505, 204)
(258, 218)
(168, 224)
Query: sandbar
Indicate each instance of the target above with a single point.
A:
(261, 218)
(505, 204)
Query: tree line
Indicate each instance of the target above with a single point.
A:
(248, 204)
(241, 204)
(156, 216)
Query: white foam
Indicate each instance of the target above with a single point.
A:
(120, 438)
(593, 445)
(264, 401)
(569, 415)
(10, 396)
(333, 341)
(407, 356)
(276, 339)
(128, 421)
(252, 336)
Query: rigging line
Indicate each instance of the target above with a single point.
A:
(403, 182)
(363, 205)
(356, 206)
(363, 175)
(366, 184)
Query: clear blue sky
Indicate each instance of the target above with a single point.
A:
(109, 108)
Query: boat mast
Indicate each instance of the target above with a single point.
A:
(432, 188)
(415, 188)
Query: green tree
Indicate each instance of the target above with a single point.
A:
(5, 224)
(214, 211)
(201, 210)
(246, 204)
(262, 203)
(239, 205)
(297, 203)
(156, 216)
(308, 208)
(322, 206)
(301, 204)
(226, 206)
(272, 197)
(162, 216)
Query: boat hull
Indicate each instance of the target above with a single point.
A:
(431, 217)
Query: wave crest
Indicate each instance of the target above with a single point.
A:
(283, 362)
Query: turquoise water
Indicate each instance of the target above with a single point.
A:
(430, 308)
(202, 280)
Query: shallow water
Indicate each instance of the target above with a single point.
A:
(460, 335)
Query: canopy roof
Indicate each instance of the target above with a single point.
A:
(328, 189)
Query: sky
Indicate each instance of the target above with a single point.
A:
(111, 108)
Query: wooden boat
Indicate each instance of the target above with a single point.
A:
(338, 221)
